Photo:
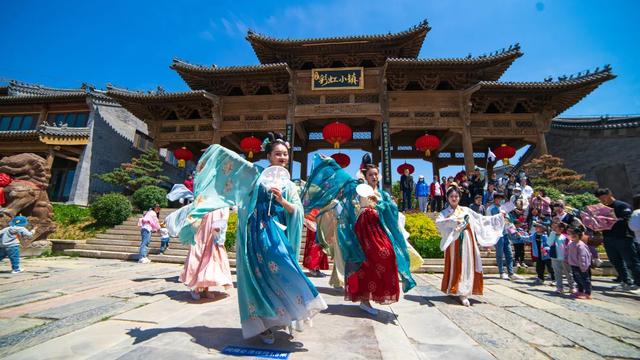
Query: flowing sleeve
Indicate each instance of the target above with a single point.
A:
(326, 183)
(179, 192)
(327, 222)
(294, 219)
(223, 179)
(487, 229)
(448, 228)
(388, 212)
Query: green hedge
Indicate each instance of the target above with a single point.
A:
(423, 235)
(70, 214)
(147, 196)
(580, 201)
(111, 209)
(230, 243)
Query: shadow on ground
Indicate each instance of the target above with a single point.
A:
(219, 338)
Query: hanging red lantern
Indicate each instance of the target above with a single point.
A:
(342, 159)
(251, 145)
(504, 152)
(337, 134)
(183, 155)
(404, 167)
(427, 143)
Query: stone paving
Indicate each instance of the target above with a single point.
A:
(82, 308)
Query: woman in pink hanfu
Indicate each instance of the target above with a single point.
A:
(207, 264)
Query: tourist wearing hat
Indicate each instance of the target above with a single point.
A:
(540, 251)
(503, 244)
(422, 193)
(10, 241)
(406, 187)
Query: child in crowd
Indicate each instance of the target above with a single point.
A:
(579, 258)
(477, 205)
(164, 237)
(518, 238)
(557, 245)
(10, 241)
(540, 252)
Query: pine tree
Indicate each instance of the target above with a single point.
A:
(548, 170)
(142, 171)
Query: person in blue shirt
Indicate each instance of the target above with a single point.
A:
(10, 241)
(422, 193)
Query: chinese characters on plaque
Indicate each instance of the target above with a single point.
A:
(337, 79)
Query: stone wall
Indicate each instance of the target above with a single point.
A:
(112, 136)
(608, 156)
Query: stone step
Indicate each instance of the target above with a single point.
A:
(129, 249)
(492, 269)
(174, 244)
(131, 256)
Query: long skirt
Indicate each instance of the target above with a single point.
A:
(207, 263)
(457, 281)
(314, 257)
(377, 278)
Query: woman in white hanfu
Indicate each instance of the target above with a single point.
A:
(463, 231)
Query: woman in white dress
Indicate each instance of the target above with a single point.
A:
(463, 231)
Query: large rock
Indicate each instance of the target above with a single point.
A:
(26, 194)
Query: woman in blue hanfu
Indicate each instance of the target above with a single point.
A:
(273, 291)
(371, 242)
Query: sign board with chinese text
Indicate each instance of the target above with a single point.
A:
(337, 79)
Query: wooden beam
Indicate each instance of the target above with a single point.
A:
(233, 140)
(446, 142)
(302, 134)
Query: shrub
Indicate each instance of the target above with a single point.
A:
(230, 242)
(580, 201)
(147, 196)
(552, 193)
(423, 235)
(70, 214)
(111, 209)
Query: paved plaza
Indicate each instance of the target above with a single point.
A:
(82, 308)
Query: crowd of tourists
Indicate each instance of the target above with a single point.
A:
(360, 227)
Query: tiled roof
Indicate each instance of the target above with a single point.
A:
(64, 131)
(180, 65)
(563, 82)
(19, 134)
(402, 44)
(253, 36)
(597, 123)
(24, 93)
(18, 88)
(510, 53)
(160, 95)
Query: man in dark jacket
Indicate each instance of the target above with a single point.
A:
(406, 187)
(619, 242)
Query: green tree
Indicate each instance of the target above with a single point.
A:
(548, 170)
(142, 171)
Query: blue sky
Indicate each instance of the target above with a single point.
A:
(131, 43)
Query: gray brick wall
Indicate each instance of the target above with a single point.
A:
(593, 151)
(109, 150)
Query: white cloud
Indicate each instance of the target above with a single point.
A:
(206, 35)
(228, 27)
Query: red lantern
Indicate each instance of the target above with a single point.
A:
(251, 145)
(404, 166)
(183, 155)
(427, 143)
(337, 134)
(504, 152)
(342, 159)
